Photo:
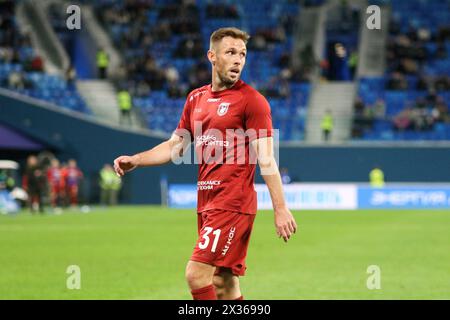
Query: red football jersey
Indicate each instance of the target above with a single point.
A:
(226, 169)
(73, 176)
(55, 177)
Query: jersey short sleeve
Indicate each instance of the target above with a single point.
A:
(258, 118)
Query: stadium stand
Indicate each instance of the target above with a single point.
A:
(165, 43)
(410, 102)
(23, 70)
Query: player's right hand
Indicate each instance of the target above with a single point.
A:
(124, 164)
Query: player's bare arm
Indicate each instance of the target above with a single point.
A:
(161, 154)
(284, 220)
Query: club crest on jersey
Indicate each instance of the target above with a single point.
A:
(223, 108)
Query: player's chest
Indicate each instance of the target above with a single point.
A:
(219, 113)
(56, 174)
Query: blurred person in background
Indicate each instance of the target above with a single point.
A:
(376, 177)
(73, 176)
(403, 120)
(110, 185)
(285, 177)
(327, 125)
(16, 80)
(379, 109)
(7, 181)
(71, 76)
(35, 183)
(339, 66)
(102, 63)
(56, 185)
(125, 105)
(37, 64)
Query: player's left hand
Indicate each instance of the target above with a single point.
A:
(285, 223)
(124, 164)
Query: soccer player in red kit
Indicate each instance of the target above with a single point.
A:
(226, 195)
(72, 175)
(55, 178)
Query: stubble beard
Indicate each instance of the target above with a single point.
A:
(227, 82)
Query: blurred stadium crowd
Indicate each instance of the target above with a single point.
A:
(411, 101)
(163, 44)
(23, 70)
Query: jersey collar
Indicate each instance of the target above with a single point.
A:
(237, 85)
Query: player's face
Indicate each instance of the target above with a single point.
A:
(32, 161)
(229, 59)
(55, 163)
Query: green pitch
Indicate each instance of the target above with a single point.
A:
(141, 252)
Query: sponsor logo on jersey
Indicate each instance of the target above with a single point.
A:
(213, 100)
(230, 238)
(210, 140)
(207, 184)
(223, 108)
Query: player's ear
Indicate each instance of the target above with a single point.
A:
(212, 56)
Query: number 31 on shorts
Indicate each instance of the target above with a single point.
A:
(203, 245)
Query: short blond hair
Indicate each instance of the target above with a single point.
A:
(233, 32)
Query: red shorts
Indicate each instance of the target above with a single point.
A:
(223, 239)
(72, 189)
(56, 189)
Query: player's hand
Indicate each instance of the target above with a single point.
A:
(285, 223)
(124, 164)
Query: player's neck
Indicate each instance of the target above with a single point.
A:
(218, 85)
